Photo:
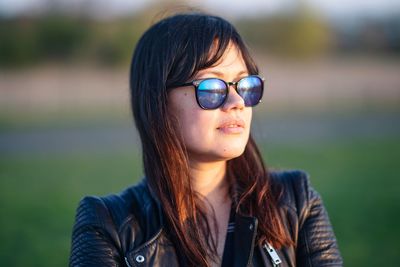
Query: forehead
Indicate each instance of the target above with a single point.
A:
(231, 62)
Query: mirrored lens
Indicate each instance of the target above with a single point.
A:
(250, 89)
(211, 93)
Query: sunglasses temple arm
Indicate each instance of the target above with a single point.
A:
(186, 84)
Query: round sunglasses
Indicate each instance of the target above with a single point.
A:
(212, 93)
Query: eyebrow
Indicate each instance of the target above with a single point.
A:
(221, 74)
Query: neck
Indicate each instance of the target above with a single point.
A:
(208, 179)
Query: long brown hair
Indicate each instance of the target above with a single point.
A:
(170, 53)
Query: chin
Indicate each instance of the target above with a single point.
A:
(231, 152)
(220, 150)
(231, 148)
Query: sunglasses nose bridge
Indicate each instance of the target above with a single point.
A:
(233, 84)
(229, 96)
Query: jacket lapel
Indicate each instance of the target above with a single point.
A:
(244, 238)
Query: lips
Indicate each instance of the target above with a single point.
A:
(232, 126)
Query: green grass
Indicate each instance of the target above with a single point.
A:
(39, 195)
(356, 178)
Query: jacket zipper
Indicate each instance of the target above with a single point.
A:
(276, 261)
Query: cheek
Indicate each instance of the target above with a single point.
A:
(248, 113)
(198, 127)
(193, 122)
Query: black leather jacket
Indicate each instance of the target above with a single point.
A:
(127, 230)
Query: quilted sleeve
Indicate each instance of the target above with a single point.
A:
(317, 245)
(94, 237)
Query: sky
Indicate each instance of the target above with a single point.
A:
(330, 8)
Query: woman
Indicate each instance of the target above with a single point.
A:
(207, 198)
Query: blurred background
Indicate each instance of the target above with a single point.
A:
(331, 108)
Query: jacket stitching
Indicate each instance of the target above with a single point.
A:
(306, 241)
(145, 245)
(117, 246)
(125, 222)
(148, 242)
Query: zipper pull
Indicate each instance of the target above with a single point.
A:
(276, 261)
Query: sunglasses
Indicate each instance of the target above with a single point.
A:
(212, 93)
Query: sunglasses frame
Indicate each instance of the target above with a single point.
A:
(196, 84)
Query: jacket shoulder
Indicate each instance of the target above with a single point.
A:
(290, 177)
(296, 189)
(312, 231)
(113, 209)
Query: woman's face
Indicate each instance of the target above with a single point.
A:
(214, 135)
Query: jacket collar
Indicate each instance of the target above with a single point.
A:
(244, 235)
(244, 239)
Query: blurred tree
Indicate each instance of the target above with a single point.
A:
(18, 42)
(299, 33)
(65, 31)
(112, 42)
(61, 36)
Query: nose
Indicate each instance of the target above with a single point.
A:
(234, 101)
